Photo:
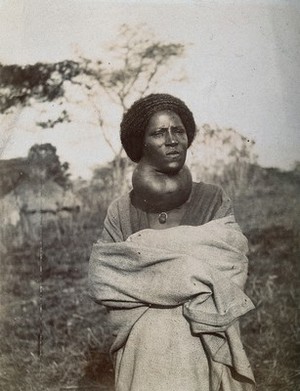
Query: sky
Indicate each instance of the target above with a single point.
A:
(242, 67)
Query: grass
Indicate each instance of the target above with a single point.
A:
(271, 332)
(53, 337)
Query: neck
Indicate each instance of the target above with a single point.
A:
(154, 191)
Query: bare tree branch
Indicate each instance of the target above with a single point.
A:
(141, 59)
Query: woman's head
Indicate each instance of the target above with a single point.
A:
(135, 123)
(165, 143)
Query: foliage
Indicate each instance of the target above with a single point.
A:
(49, 336)
(40, 81)
(225, 156)
(105, 178)
(296, 169)
(218, 155)
(42, 163)
(63, 117)
(54, 338)
(12, 172)
(139, 61)
(271, 332)
(136, 62)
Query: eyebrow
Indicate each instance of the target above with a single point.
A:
(167, 127)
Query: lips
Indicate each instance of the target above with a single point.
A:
(174, 156)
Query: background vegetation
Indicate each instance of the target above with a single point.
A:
(52, 336)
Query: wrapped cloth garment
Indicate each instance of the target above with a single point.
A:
(174, 296)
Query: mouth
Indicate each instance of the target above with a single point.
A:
(173, 156)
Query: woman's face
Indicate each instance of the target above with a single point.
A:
(165, 142)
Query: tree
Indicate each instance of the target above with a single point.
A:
(22, 86)
(12, 173)
(135, 63)
(104, 177)
(223, 155)
(44, 164)
(140, 60)
(296, 167)
(19, 85)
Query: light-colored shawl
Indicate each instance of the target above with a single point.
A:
(201, 268)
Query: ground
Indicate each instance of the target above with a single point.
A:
(53, 337)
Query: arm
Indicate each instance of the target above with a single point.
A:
(184, 262)
(225, 208)
(111, 228)
(111, 233)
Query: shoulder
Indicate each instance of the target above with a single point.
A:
(118, 221)
(207, 189)
(215, 196)
(118, 205)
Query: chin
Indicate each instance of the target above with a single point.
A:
(172, 169)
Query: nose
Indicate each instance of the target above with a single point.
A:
(170, 138)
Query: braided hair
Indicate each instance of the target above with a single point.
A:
(136, 119)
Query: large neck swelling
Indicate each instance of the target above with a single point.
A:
(154, 191)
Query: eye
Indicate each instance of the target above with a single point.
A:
(179, 130)
(158, 133)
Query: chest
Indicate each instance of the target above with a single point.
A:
(168, 219)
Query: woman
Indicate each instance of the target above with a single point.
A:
(171, 265)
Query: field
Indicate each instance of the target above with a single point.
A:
(53, 337)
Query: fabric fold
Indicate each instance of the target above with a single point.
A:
(201, 268)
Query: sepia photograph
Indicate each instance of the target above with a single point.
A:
(149, 195)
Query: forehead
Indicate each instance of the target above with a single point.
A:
(164, 118)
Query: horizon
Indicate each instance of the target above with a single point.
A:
(241, 73)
